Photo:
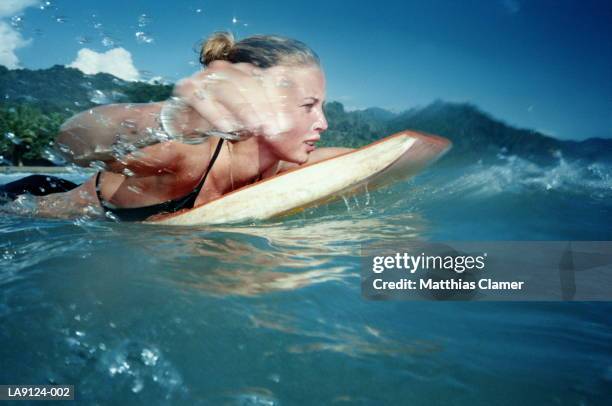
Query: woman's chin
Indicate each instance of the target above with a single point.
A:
(299, 158)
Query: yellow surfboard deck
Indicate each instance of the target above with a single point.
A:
(396, 157)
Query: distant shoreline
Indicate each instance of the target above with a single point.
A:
(40, 169)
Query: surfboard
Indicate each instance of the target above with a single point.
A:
(396, 157)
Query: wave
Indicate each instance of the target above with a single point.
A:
(516, 175)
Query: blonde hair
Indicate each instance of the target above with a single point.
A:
(263, 51)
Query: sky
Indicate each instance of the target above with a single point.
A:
(538, 64)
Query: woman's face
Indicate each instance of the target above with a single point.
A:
(303, 107)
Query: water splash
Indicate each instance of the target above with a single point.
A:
(45, 5)
(17, 22)
(128, 172)
(144, 20)
(519, 176)
(108, 41)
(139, 365)
(97, 165)
(99, 97)
(12, 138)
(51, 155)
(144, 37)
(346, 203)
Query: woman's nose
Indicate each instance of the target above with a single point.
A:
(321, 123)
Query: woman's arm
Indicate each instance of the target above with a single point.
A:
(118, 135)
(92, 135)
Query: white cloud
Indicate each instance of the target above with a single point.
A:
(117, 61)
(10, 40)
(9, 8)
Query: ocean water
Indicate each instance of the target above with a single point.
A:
(271, 313)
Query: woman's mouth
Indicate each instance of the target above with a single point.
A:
(310, 145)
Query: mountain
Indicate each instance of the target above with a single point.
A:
(478, 136)
(33, 103)
(67, 90)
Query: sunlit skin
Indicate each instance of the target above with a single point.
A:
(172, 169)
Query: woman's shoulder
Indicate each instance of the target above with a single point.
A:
(192, 159)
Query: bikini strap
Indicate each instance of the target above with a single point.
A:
(210, 165)
(170, 205)
(98, 187)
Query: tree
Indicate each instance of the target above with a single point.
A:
(28, 134)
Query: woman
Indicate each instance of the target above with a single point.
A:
(256, 110)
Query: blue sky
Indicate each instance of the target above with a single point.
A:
(545, 65)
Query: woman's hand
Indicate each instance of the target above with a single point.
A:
(239, 98)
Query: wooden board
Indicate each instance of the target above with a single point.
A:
(390, 159)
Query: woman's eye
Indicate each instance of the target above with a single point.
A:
(308, 106)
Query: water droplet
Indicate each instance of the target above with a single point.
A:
(283, 82)
(99, 97)
(60, 19)
(50, 155)
(8, 255)
(97, 165)
(135, 189)
(45, 5)
(128, 172)
(108, 41)
(137, 385)
(200, 94)
(112, 216)
(128, 124)
(346, 203)
(17, 22)
(144, 38)
(234, 20)
(12, 138)
(97, 26)
(149, 357)
(83, 40)
(84, 195)
(144, 20)
(102, 346)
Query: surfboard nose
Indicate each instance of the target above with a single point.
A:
(437, 144)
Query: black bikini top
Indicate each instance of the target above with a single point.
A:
(169, 206)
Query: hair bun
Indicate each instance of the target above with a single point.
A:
(217, 47)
